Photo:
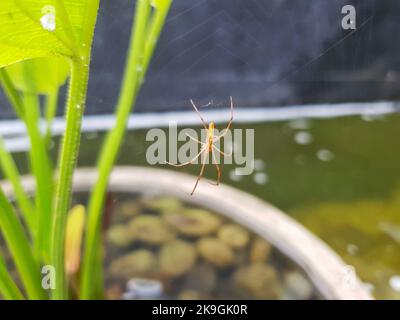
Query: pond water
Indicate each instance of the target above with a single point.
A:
(340, 177)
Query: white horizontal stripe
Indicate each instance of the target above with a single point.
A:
(93, 123)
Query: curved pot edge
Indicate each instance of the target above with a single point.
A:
(324, 267)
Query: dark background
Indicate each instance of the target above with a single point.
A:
(263, 52)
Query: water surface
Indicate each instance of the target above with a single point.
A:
(340, 177)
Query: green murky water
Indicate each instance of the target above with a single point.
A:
(343, 183)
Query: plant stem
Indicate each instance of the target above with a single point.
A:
(70, 146)
(28, 110)
(140, 51)
(19, 247)
(91, 267)
(11, 173)
(8, 288)
(41, 168)
(67, 163)
(156, 25)
(50, 112)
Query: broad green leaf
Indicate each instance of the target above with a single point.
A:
(39, 76)
(40, 28)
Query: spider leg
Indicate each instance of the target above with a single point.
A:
(225, 131)
(189, 162)
(218, 170)
(201, 172)
(223, 153)
(194, 139)
(198, 112)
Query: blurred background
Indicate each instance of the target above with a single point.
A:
(339, 176)
(265, 53)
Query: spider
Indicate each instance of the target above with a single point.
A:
(208, 146)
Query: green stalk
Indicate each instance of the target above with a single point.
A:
(41, 168)
(91, 265)
(154, 31)
(70, 146)
(8, 288)
(19, 247)
(67, 163)
(10, 171)
(50, 112)
(28, 110)
(142, 43)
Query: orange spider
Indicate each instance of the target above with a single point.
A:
(208, 146)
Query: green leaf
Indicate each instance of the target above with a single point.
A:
(46, 75)
(8, 288)
(41, 28)
(10, 171)
(19, 247)
(146, 30)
